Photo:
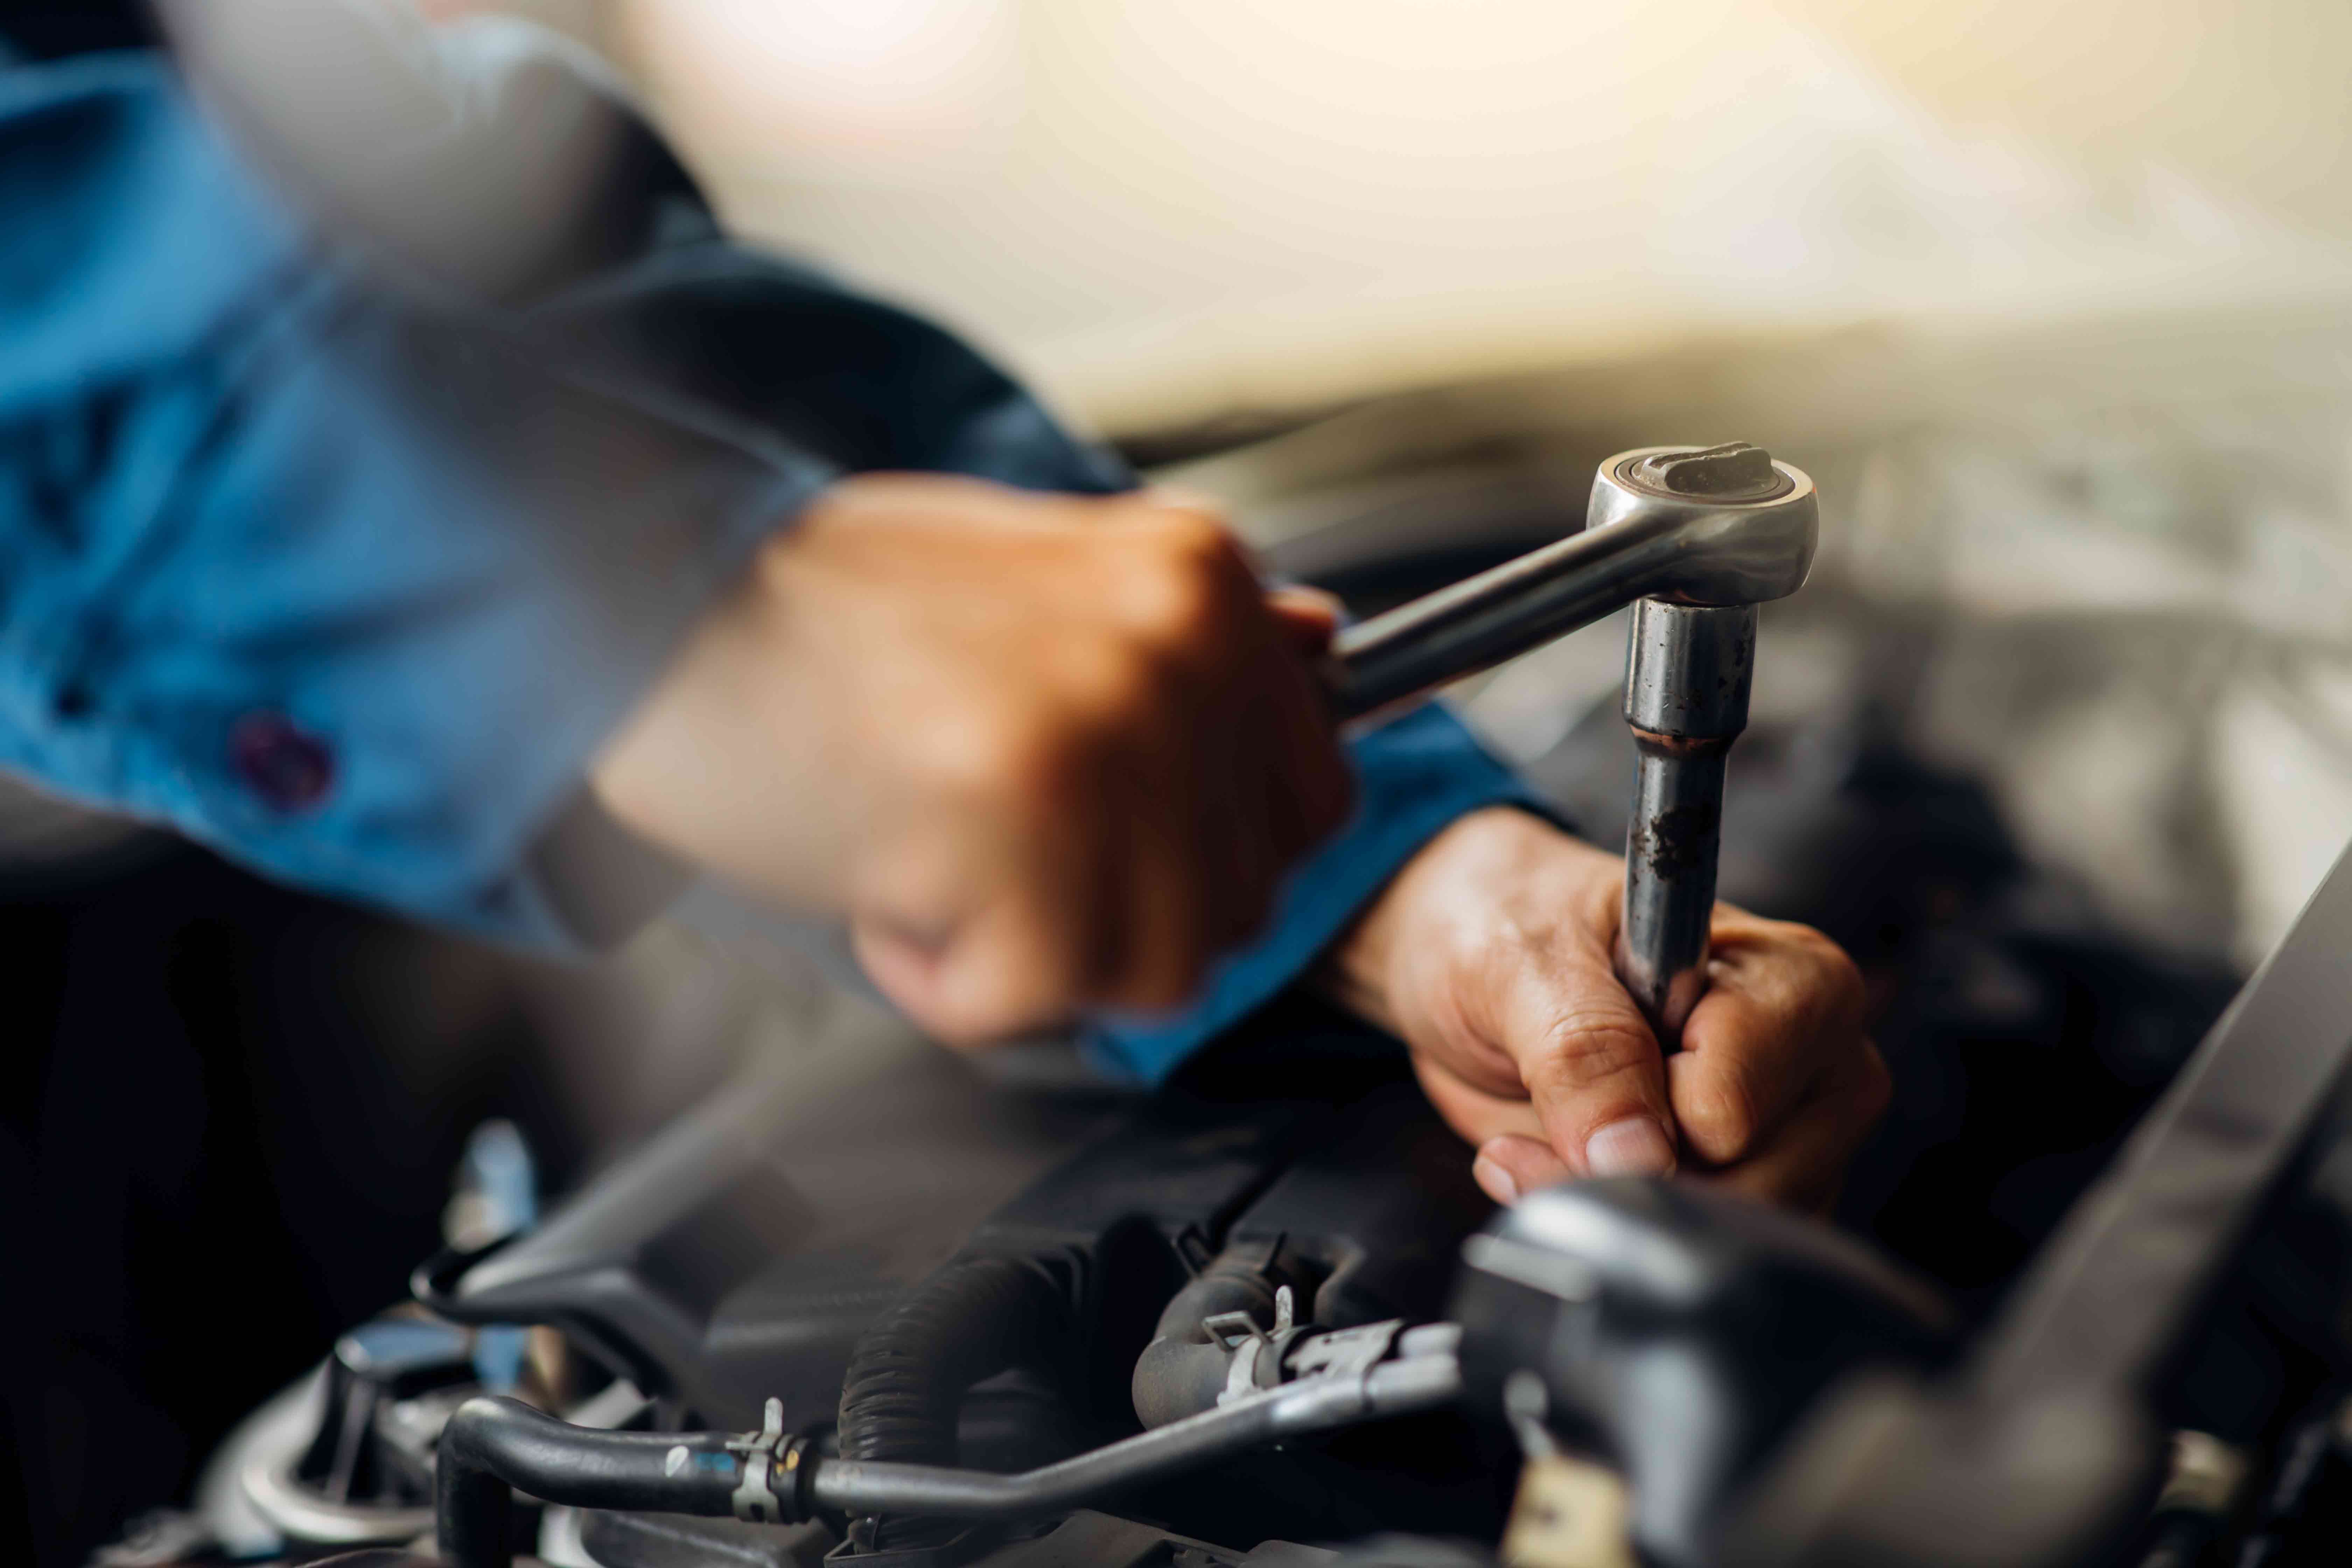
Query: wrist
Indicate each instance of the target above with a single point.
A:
(696, 767)
(1457, 896)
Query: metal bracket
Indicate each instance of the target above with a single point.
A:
(1231, 1330)
(755, 1500)
(1346, 1352)
(1241, 1378)
(1239, 1333)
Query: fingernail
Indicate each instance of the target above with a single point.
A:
(1495, 1181)
(1634, 1146)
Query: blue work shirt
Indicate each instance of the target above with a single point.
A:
(349, 582)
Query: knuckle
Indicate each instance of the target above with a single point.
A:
(1198, 536)
(1584, 1051)
(1191, 594)
(1110, 691)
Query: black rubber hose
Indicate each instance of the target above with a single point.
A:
(492, 1445)
(1182, 1370)
(1423, 1382)
(1176, 1378)
(971, 1320)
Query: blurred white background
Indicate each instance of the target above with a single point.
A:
(1165, 210)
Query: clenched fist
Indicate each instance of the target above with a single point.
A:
(1043, 752)
(1489, 955)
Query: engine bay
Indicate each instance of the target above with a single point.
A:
(1262, 1316)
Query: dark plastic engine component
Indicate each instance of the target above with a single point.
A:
(1405, 1552)
(1086, 1539)
(2046, 1440)
(388, 1360)
(365, 1475)
(740, 1253)
(1302, 1134)
(1091, 1539)
(1680, 1330)
(620, 1539)
(1358, 1212)
(1374, 1207)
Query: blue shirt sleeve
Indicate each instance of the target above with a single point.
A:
(344, 585)
(1413, 775)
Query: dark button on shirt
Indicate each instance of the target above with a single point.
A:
(288, 769)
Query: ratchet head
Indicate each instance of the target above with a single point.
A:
(1693, 525)
(1716, 525)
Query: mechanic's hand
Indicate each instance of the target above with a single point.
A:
(1043, 752)
(1489, 955)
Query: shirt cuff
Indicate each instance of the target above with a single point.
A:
(374, 652)
(1414, 776)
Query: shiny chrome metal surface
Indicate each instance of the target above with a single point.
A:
(1640, 540)
(1697, 537)
(1687, 675)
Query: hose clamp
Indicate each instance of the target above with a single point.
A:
(755, 1500)
(1257, 1353)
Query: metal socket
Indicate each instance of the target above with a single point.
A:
(1688, 672)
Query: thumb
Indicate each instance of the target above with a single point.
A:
(1589, 1064)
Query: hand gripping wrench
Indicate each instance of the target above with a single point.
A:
(1695, 538)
